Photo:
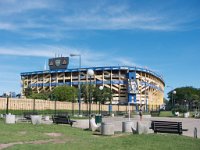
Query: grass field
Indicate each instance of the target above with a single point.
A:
(166, 114)
(25, 136)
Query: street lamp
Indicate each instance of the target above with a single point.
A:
(79, 86)
(7, 103)
(90, 73)
(100, 88)
(173, 93)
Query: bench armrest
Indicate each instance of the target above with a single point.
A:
(184, 129)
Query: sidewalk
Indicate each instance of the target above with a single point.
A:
(188, 123)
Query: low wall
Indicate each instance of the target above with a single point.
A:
(29, 104)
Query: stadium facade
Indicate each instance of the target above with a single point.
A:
(128, 84)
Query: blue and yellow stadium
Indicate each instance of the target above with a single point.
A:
(129, 84)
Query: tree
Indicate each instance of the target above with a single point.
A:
(103, 96)
(97, 94)
(165, 101)
(65, 93)
(28, 92)
(189, 95)
(44, 96)
(84, 92)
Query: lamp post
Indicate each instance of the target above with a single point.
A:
(173, 93)
(100, 88)
(7, 98)
(79, 86)
(90, 73)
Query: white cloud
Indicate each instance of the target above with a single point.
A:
(89, 57)
(10, 7)
(7, 26)
(60, 17)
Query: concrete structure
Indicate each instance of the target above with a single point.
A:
(127, 125)
(107, 128)
(129, 84)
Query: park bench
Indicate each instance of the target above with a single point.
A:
(155, 113)
(167, 127)
(27, 115)
(120, 113)
(62, 119)
(105, 113)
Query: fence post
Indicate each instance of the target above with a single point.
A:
(33, 104)
(55, 106)
(7, 104)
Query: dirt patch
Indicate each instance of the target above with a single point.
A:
(121, 135)
(22, 132)
(58, 139)
(2, 146)
(98, 134)
(40, 142)
(54, 134)
(55, 141)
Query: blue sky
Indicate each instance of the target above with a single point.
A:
(161, 35)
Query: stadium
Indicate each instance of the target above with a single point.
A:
(132, 85)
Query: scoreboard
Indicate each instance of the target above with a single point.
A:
(58, 63)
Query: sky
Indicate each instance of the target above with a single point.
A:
(163, 36)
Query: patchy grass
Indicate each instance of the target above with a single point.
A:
(25, 136)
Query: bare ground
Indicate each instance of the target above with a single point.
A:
(56, 139)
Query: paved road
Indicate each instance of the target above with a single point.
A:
(188, 123)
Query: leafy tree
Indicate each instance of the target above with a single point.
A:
(84, 92)
(165, 101)
(102, 95)
(96, 94)
(64, 93)
(28, 92)
(189, 95)
(44, 96)
(107, 95)
(85, 89)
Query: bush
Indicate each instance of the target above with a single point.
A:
(44, 96)
(180, 109)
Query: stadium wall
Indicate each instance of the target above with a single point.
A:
(134, 85)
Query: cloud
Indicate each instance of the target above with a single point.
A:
(129, 22)
(59, 17)
(7, 26)
(89, 57)
(10, 7)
